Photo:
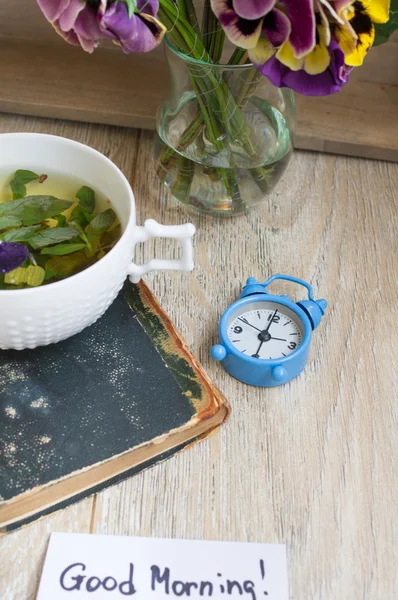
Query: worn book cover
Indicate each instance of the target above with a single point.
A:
(83, 414)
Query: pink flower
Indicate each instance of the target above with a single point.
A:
(85, 23)
(74, 20)
(140, 33)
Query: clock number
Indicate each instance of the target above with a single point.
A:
(238, 329)
(292, 345)
(276, 318)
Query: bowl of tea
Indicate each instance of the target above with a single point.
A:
(67, 237)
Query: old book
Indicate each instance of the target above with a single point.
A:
(83, 414)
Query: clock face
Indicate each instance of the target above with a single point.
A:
(265, 330)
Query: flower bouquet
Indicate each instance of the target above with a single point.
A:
(226, 131)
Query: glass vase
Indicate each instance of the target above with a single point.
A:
(224, 135)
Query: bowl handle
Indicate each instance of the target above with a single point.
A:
(152, 229)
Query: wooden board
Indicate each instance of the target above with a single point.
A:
(50, 78)
(311, 464)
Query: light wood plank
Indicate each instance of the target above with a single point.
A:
(22, 552)
(310, 464)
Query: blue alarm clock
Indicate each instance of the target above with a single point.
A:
(265, 339)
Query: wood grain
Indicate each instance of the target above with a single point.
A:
(42, 75)
(310, 464)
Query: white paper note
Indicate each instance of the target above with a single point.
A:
(97, 567)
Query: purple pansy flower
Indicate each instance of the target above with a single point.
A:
(301, 15)
(245, 20)
(141, 33)
(242, 20)
(252, 9)
(87, 23)
(279, 53)
(12, 256)
(276, 27)
(323, 84)
(74, 20)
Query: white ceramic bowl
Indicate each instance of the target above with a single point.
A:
(43, 315)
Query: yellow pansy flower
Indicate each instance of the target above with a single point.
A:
(357, 34)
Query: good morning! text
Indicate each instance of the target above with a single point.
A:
(75, 577)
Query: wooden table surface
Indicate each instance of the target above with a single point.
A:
(310, 464)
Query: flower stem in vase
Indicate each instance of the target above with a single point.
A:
(187, 9)
(169, 155)
(220, 113)
(212, 33)
(219, 132)
(191, 133)
(181, 186)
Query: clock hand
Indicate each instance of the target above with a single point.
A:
(279, 339)
(247, 323)
(265, 331)
(264, 336)
(256, 355)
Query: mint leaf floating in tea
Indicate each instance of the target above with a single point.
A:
(83, 212)
(8, 221)
(17, 184)
(34, 209)
(61, 220)
(63, 266)
(63, 249)
(100, 224)
(110, 237)
(25, 176)
(49, 275)
(12, 256)
(53, 235)
(23, 234)
(73, 223)
(79, 216)
(86, 199)
(18, 189)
